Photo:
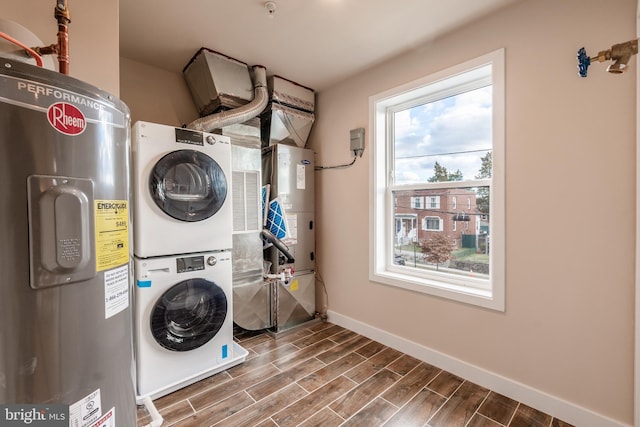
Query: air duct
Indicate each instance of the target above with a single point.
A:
(222, 90)
(224, 94)
(290, 114)
(240, 114)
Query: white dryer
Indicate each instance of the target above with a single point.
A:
(183, 321)
(182, 190)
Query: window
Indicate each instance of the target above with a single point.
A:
(442, 134)
(431, 223)
(416, 202)
(433, 202)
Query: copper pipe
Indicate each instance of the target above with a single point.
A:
(47, 50)
(61, 48)
(62, 16)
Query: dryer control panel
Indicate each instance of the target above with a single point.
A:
(194, 263)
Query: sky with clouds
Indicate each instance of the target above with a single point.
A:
(454, 131)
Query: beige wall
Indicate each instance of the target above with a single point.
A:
(155, 95)
(93, 36)
(570, 179)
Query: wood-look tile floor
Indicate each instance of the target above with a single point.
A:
(324, 375)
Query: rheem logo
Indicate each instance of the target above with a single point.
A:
(66, 118)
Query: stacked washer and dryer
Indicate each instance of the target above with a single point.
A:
(183, 322)
(197, 242)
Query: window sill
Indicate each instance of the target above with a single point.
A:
(485, 298)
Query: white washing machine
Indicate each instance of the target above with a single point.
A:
(183, 321)
(181, 190)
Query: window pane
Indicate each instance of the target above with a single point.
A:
(450, 239)
(443, 140)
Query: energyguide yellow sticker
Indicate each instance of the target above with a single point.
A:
(112, 233)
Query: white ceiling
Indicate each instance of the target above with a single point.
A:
(315, 43)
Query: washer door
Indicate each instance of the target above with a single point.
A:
(188, 315)
(188, 185)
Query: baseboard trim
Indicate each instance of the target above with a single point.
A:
(545, 402)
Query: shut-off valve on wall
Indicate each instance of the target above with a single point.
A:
(619, 53)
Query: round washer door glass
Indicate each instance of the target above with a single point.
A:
(188, 315)
(188, 185)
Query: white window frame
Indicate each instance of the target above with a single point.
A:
(426, 219)
(429, 202)
(419, 205)
(381, 216)
(454, 203)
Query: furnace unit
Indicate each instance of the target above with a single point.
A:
(289, 171)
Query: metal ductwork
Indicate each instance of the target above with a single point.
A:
(222, 90)
(240, 114)
(290, 114)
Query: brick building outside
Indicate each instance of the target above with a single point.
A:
(422, 213)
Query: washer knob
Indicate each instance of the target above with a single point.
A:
(212, 261)
(210, 140)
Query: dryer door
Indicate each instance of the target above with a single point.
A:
(188, 315)
(188, 185)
